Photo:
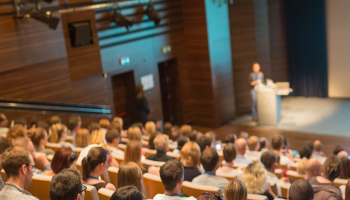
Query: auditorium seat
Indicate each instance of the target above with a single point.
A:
(119, 158)
(105, 194)
(195, 190)
(152, 162)
(91, 193)
(339, 182)
(70, 139)
(224, 175)
(3, 175)
(221, 156)
(279, 173)
(283, 166)
(144, 143)
(171, 154)
(284, 190)
(293, 175)
(172, 146)
(125, 140)
(79, 167)
(122, 147)
(53, 146)
(294, 166)
(145, 137)
(40, 186)
(113, 175)
(49, 157)
(149, 152)
(105, 176)
(256, 197)
(153, 185)
(77, 151)
(273, 188)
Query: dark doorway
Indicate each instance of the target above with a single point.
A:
(124, 97)
(170, 91)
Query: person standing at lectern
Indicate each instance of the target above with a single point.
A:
(255, 78)
(143, 109)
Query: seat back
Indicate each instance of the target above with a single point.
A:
(149, 152)
(40, 186)
(70, 139)
(339, 182)
(224, 175)
(171, 154)
(53, 146)
(256, 197)
(113, 175)
(273, 188)
(145, 137)
(221, 156)
(49, 158)
(105, 194)
(3, 175)
(122, 147)
(119, 158)
(196, 190)
(294, 166)
(91, 193)
(105, 176)
(283, 166)
(79, 167)
(153, 185)
(279, 173)
(125, 140)
(294, 175)
(284, 190)
(152, 162)
(77, 151)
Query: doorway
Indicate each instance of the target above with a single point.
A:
(124, 97)
(170, 92)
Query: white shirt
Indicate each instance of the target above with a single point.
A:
(242, 160)
(85, 152)
(285, 160)
(168, 197)
(273, 179)
(318, 157)
(3, 131)
(253, 155)
(116, 152)
(212, 180)
(236, 173)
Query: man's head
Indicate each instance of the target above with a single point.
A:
(74, 122)
(269, 160)
(229, 152)
(161, 142)
(306, 151)
(21, 121)
(264, 143)
(18, 165)
(277, 142)
(127, 193)
(4, 144)
(256, 67)
(301, 190)
(318, 145)
(186, 130)
(55, 120)
(112, 137)
(67, 185)
(241, 146)
(210, 159)
(253, 143)
(172, 175)
(204, 142)
(3, 120)
(230, 138)
(211, 134)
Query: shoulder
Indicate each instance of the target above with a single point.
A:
(159, 197)
(189, 198)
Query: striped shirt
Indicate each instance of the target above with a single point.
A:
(11, 191)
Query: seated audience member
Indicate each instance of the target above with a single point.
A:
(230, 138)
(269, 160)
(264, 144)
(151, 140)
(94, 165)
(180, 143)
(67, 185)
(301, 169)
(175, 133)
(186, 130)
(210, 162)
(59, 135)
(324, 187)
(318, 154)
(306, 151)
(193, 136)
(253, 146)
(301, 190)
(82, 137)
(55, 120)
(19, 167)
(4, 144)
(74, 124)
(204, 142)
(342, 154)
(167, 129)
(161, 145)
(64, 158)
(230, 154)
(190, 157)
(277, 144)
(345, 170)
(133, 154)
(16, 131)
(134, 133)
(209, 196)
(104, 125)
(39, 138)
(244, 135)
(212, 135)
(241, 149)
(21, 121)
(150, 128)
(171, 174)
(3, 125)
(255, 179)
(127, 193)
(235, 190)
(346, 192)
(337, 149)
(313, 168)
(112, 138)
(97, 138)
(93, 126)
(130, 174)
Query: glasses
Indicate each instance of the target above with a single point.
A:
(85, 188)
(33, 167)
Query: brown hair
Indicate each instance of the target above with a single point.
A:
(93, 126)
(129, 174)
(344, 174)
(97, 137)
(209, 159)
(111, 135)
(150, 128)
(96, 156)
(36, 135)
(139, 91)
(151, 140)
(73, 121)
(15, 132)
(133, 153)
(63, 158)
(167, 129)
(229, 138)
(56, 132)
(331, 168)
(82, 137)
(13, 159)
(235, 190)
(186, 130)
(190, 155)
(277, 141)
(55, 120)
(229, 152)
(134, 133)
(104, 123)
(347, 190)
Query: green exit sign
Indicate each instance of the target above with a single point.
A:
(166, 49)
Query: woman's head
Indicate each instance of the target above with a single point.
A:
(229, 152)
(344, 174)
(134, 133)
(104, 123)
(301, 169)
(16, 131)
(254, 177)
(82, 137)
(139, 91)
(151, 140)
(167, 129)
(133, 152)
(190, 155)
(331, 168)
(150, 128)
(235, 190)
(347, 191)
(63, 158)
(58, 133)
(38, 136)
(97, 137)
(93, 126)
(118, 120)
(129, 174)
(95, 161)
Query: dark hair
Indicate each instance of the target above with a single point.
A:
(167, 129)
(344, 174)
(111, 135)
(13, 159)
(139, 91)
(229, 152)
(62, 159)
(177, 131)
(1, 118)
(170, 173)
(93, 126)
(44, 125)
(209, 196)
(209, 159)
(229, 138)
(4, 144)
(36, 135)
(337, 149)
(181, 142)
(203, 142)
(277, 141)
(73, 121)
(96, 156)
(66, 185)
(268, 158)
(151, 140)
(301, 189)
(306, 152)
(193, 136)
(21, 121)
(331, 168)
(127, 193)
(55, 120)
(262, 143)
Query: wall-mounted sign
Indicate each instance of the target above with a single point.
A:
(147, 81)
(124, 61)
(166, 49)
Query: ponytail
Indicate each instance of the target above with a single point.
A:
(85, 164)
(96, 156)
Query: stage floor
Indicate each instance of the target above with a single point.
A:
(310, 115)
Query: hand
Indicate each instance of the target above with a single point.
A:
(285, 179)
(255, 82)
(40, 158)
(124, 133)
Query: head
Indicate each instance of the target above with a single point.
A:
(21, 121)
(55, 120)
(151, 140)
(301, 190)
(130, 174)
(16, 131)
(4, 144)
(167, 129)
(161, 143)
(331, 168)
(39, 137)
(58, 133)
(241, 146)
(264, 143)
(342, 154)
(312, 168)
(172, 175)
(82, 137)
(134, 133)
(210, 159)
(181, 142)
(175, 132)
(204, 142)
(277, 142)
(235, 190)
(3, 120)
(186, 130)
(18, 164)
(97, 137)
(254, 177)
(139, 91)
(306, 152)
(118, 120)
(211, 134)
(344, 168)
(337, 149)
(133, 153)
(150, 128)
(25, 143)
(253, 143)
(193, 136)
(301, 169)
(74, 122)
(209, 196)
(269, 160)
(230, 138)
(93, 126)
(229, 152)
(104, 123)
(113, 137)
(244, 135)
(67, 185)
(256, 68)
(190, 155)
(95, 161)
(318, 146)
(127, 193)
(64, 158)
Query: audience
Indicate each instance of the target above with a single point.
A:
(210, 162)
(277, 144)
(209, 196)
(97, 138)
(175, 133)
(16, 131)
(324, 187)
(167, 129)
(4, 144)
(55, 120)
(229, 138)
(172, 176)
(241, 149)
(74, 124)
(229, 154)
(193, 136)
(180, 143)
(59, 135)
(301, 169)
(161, 145)
(67, 184)
(186, 130)
(113, 138)
(133, 154)
(39, 138)
(345, 170)
(3, 125)
(301, 190)
(204, 142)
(104, 125)
(212, 135)
(264, 144)
(190, 157)
(64, 158)
(19, 167)
(313, 168)
(235, 190)
(127, 193)
(150, 128)
(93, 126)
(244, 135)
(151, 140)
(134, 133)
(306, 151)
(130, 174)
(318, 154)
(253, 146)
(82, 137)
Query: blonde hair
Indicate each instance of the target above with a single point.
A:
(97, 137)
(134, 133)
(82, 137)
(56, 132)
(186, 130)
(254, 177)
(301, 169)
(133, 153)
(160, 142)
(150, 128)
(253, 142)
(104, 123)
(190, 155)
(16, 131)
(129, 174)
(235, 190)
(117, 123)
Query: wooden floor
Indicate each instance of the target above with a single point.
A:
(296, 139)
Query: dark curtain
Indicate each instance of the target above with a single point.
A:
(307, 47)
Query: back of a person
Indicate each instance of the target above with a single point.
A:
(191, 173)
(236, 173)
(325, 191)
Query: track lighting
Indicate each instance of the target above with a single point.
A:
(121, 20)
(153, 14)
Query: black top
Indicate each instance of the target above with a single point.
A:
(159, 156)
(269, 196)
(142, 109)
(254, 77)
(191, 173)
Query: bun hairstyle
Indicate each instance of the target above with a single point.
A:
(332, 168)
(96, 156)
(36, 135)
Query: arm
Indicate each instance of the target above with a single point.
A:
(110, 187)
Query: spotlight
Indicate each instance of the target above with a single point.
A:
(46, 18)
(153, 14)
(121, 20)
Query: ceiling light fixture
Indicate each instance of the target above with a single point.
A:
(121, 20)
